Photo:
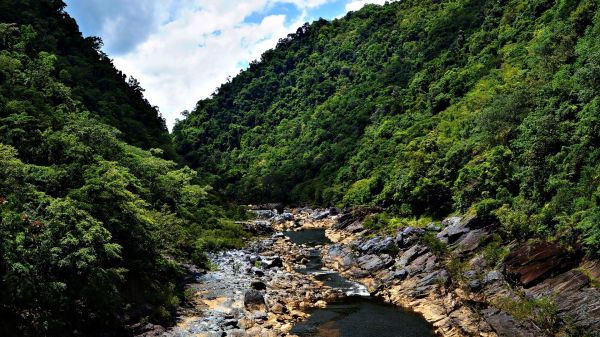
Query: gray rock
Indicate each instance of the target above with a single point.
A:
(401, 274)
(471, 241)
(373, 263)
(378, 245)
(254, 299)
(409, 255)
(273, 262)
(505, 325)
(321, 215)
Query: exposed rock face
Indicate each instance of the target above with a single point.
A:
(574, 298)
(404, 271)
(529, 264)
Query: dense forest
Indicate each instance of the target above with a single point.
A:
(94, 230)
(425, 108)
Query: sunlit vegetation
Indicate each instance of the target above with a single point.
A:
(94, 230)
(425, 108)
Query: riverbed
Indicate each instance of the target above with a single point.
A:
(291, 294)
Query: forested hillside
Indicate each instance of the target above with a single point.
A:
(425, 108)
(93, 229)
(88, 72)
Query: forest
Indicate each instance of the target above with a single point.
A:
(426, 108)
(94, 231)
(423, 108)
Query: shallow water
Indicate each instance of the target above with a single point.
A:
(363, 317)
(309, 237)
(352, 316)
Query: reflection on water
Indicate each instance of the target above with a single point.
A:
(363, 317)
(309, 237)
(352, 316)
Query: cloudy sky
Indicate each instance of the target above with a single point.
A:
(182, 50)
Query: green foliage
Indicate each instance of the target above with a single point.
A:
(423, 107)
(540, 311)
(93, 230)
(437, 247)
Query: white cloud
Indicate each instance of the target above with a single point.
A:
(188, 57)
(358, 4)
(182, 50)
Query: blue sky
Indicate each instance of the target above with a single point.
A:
(182, 50)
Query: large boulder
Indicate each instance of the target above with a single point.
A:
(506, 326)
(573, 296)
(529, 264)
(377, 245)
(254, 300)
(373, 263)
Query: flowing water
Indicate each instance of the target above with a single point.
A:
(357, 314)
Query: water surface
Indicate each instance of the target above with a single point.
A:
(352, 316)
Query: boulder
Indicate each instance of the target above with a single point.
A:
(373, 263)
(473, 240)
(411, 254)
(254, 300)
(258, 285)
(258, 227)
(321, 215)
(505, 325)
(529, 264)
(378, 245)
(272, 262)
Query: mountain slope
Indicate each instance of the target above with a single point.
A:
(90, 74)
(424, 107)
(93, 230)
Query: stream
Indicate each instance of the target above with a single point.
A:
(357, 314)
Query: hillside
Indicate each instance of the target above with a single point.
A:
(423, 107)
(93, 230)
(89, 73)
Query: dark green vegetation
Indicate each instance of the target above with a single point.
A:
(423, 107)
(93, 229)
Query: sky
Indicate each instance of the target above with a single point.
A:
(182, 50)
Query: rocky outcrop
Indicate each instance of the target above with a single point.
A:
(529, 264)
(459, 290)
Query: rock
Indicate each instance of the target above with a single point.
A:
(452, 232)
(378, 245)
(257, 272)
(436, 277)
(258, 285)
(258, 227)
(529, 264)
(409, 255)
(401, 274)
(492, 276)
(254, 300)
(471, 241)
(321, 215)
(264, 214)
(233, 323)
(505, 325)
(373, 263)
(475, 285)
(278, 235)
(273, 262)
(573, 297)
(279, 308)
(287, 216)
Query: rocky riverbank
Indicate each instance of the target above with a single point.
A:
(455, 273)
(466, 282)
